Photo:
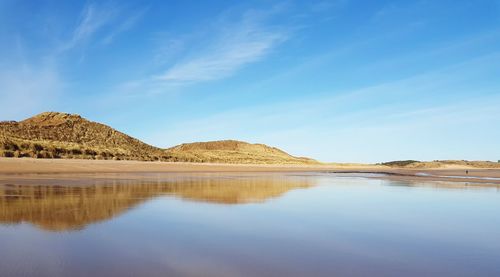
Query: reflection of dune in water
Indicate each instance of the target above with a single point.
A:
(234, 191)
(62, 208)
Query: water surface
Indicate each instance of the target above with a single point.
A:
(265, 224)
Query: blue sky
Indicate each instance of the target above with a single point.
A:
(342, 80)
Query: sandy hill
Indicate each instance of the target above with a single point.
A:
(62, 135)
(443, 164)
(233, 151)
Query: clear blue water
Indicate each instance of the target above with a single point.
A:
(247, 225)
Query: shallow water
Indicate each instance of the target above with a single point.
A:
(246, 225)
(457, 177)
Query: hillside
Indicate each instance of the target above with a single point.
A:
(62, 135)
(233, 151)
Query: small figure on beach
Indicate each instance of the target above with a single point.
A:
(467, 172)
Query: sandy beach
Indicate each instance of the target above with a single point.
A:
(9, 166)
(29, 165)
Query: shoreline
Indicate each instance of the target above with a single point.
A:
(24, 166)
(32, 165)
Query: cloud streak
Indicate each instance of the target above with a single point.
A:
(233, 42)
(95, 18)
(29, 89)
(91, 20)
(34, 80)
(234, 47)
(125, 25)
(338, 124)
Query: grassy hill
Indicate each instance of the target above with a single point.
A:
(233, 151)
(62, 135)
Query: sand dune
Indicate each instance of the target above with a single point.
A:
(233, 151)
(60, 135)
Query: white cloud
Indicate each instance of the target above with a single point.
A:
(91, 20)
(125, 25)
(28, 90)
(235, 45)
(208, 53)
(326, 6)
(95, 18)
(34, 83)
(401, 117)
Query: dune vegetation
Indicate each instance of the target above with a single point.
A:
(60, 135)
(69, 136)
(232, 151)
(53, 135)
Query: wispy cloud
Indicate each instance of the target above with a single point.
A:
(326, 6)
(167, 48)
(125, 25)
(235, 45)
(29, 89)
(36, 82)
(94, 18)
(413, 12)
(338, 124)
(91, 20)
(209, 53)
(238, 52)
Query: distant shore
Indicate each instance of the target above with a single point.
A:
(29, 165)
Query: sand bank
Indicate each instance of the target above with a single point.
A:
(27, 165)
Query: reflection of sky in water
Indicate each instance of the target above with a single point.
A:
(457, 177)
(337, 226)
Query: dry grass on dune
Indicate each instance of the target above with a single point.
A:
(61, 135)
(232, 151)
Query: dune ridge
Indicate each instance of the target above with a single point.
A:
(233, 151)
(69, 136)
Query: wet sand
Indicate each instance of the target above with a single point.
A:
(479, 175)
(29, 165)
(9, 166)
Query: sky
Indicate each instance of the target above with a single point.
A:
(338, 81)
